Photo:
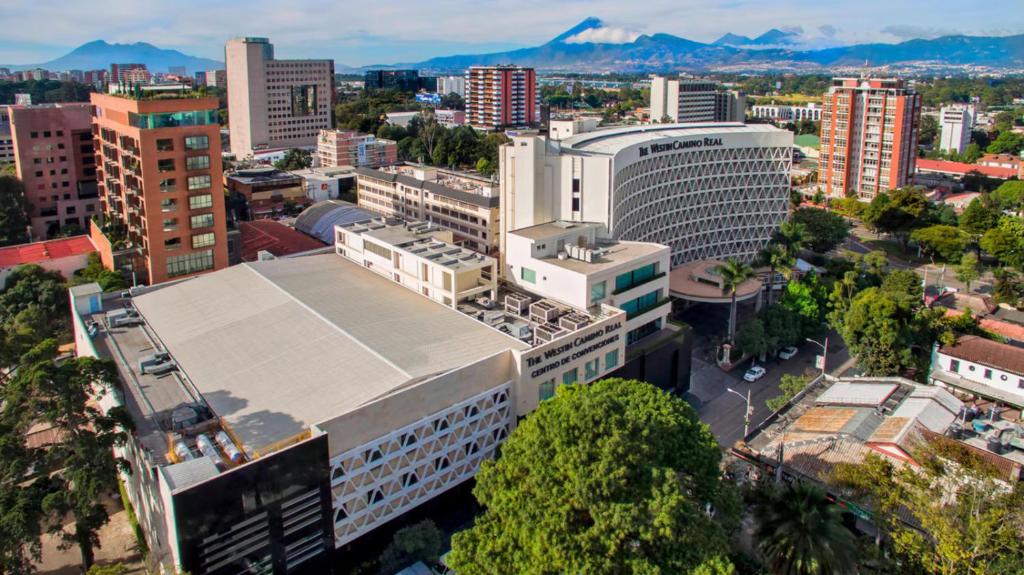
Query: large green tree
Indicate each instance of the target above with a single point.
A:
(1007, 143)
(800, 532)
(825, 230)
(978, 218)
(1005, 242)
(21, 493)
(295, 159)
(611, 477)
(898, 213)
(14, 211)
(942, 243)
(33, 307)
(733, 273)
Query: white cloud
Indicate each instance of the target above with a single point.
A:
(604, 35)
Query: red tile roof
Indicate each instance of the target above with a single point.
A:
(987, 352)
(960, 168)
(37, 252)
(273, 237)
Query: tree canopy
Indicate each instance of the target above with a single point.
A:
(295, 159)
(825, 230)
(610, 477)
(33, 306)
(14, 211)
(943, 243)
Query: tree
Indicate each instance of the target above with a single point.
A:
(944, 243)
(978, 218)
(801, 532)
(733, 273)
(611, 477)
(967, 271)
(14, 211)
(806, 299)
(453, 101)
(825, 230)
(81, 463)
(1005, 242)
(793, 236)
(1008, 197)
(33, 306)
(1007, 143)
(776, 258)
(94, 271)
(928, 131)
(20, 501)
(789, 385)
(972, 525)
(898, 213)
(295, 159)
(417, 542)
(752, 339)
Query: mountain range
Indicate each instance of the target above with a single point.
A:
(657, 52)
(98, 55)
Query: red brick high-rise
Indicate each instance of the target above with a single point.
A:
(501, 97)
(869, 132)
(161, 182)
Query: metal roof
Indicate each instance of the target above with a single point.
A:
(319, 219)
(867, 394)
(614, 140)
(277, 346)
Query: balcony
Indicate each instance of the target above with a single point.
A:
(656, 276)
(652, 307)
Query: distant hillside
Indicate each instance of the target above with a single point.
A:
(100, 55)
(665, 51)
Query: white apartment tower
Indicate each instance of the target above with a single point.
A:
(275, 104)
(686, 100)
(956, 122)
(451, 85)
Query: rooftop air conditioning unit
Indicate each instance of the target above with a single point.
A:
(517, 303)
(544, 311)
(573, 321)
(493, 317)
(548, 332)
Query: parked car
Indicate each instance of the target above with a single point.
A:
(754, 373)
(787, 352)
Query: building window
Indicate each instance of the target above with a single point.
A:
(635, 277)
(642, 304)
(165, 165)
(197, 163)
(546, 389)
(954, 365)
(165, 145)
(611, 360)
(378, 250)
(643, 331)
(202, 221)
(598, 291)
(528, 275)
(591, 369)
(988, 373)
(200, 201)
(197, 143)
(167, 185)
(189, 263)
(172, 243)
(203, 240)
(170, 224)
(199, 182)
(168, 205)
(570, 377)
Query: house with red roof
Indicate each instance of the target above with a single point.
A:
(64, 255)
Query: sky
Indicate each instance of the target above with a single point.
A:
(359, 33)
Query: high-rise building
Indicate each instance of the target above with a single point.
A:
(868, 136)
(501, 96)
(136, 76)
(117, 71)
(451, 85)
(350, 148)
(956, 122)
(400, 80)
(6, 140)
(275, 104)
(161, 183)
(686, 100)
(54, 157)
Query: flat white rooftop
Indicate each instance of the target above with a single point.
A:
(611, 141)
(277, 346)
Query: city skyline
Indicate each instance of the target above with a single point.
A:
(411, 32)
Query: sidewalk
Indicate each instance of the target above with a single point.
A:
(118, 545)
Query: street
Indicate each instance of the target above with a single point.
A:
(723, 411)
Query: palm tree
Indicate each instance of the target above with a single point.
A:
(792, 236)
(776, 257)
(800, 532)
(733, 273)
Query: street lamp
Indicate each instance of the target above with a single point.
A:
(824, 353)
(747, 413)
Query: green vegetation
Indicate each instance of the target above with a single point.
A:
(824, 230)
(33, 307)
(14, 210)
(941, 242)
(733, 273)
(45, 91)
(801, 532)
(95, 272)
(610, 477)
(421, 541)
(295, 159)
(789, 385)
(967, 270)
(133, 520)
(973, 528)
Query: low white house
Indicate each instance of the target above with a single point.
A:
(982, 367)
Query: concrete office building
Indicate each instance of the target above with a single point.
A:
(55, 159)
(956, 122)
(275, 104)
(336, 148)
(869, 130)
(465, 204)
(687, 100)
(782, 113)
(263, 191)
(161, 185)
(117, 71)
(6, 139)
(451, 85)
(706, 190)
(501, 97)
(340, 390)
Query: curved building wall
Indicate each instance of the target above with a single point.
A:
(704, 202)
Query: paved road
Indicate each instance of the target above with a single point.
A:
(723, 411)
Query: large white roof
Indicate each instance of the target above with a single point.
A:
(612, 140)
(280, 345)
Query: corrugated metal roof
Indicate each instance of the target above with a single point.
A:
(319, 219)
(869, 394)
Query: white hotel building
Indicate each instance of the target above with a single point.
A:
(709, 191)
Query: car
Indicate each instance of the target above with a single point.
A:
(787, 352)
(754, 373)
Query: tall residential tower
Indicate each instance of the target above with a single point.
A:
(868, 137)
(275, 104)
(501, 97)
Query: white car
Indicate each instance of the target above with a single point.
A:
(754, 373)
(787, 352)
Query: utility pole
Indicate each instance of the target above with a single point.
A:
(747, 414)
